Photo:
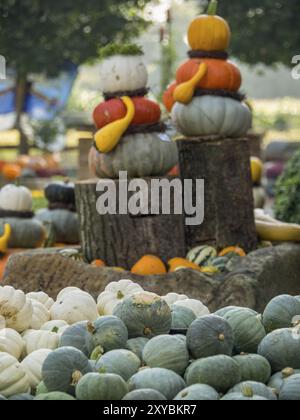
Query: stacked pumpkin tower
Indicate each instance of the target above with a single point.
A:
(131, 136)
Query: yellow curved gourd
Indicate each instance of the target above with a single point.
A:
(280, 232)
(5, 238)
(108, 137)
(184, 93)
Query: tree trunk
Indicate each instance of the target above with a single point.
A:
(224, 165)
(21, 91)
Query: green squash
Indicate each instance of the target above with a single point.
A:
(281, 312)
(167, 382)
(182, 317)
(281, 349)
(145, 315)
(54, 396)
(110, 333)
(279, 378)
(237, 396)
(202, 255)
(80, 336)
(257, 388)
(209, 336)
(144, 395)
(21, 397)
(198, 392)
(136, 345)
(101, 387)
(120, 362)
(63, 368)
(168, 352)
(224, 311)
(26, 233)
(60, 192)
(65, 223)
(219, 372)
(254, 368)
(290, 390)
(41, 389)
(247, 328)
(220, 263)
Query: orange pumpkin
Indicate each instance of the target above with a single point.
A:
(168, 98)
(233, 250)
(98, 263)
(146, 112)
(11, 171)
(149, 265)
(53, 161)
(221, 74)
(2, 164)
(37, 163)
(179, 263)
(23, 161)
(209, 32)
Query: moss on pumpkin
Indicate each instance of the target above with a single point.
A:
(120, 49)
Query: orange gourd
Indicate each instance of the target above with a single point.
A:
(149, 265)
(179, 263)
(233, 250)
(11, 171)
(168, 98)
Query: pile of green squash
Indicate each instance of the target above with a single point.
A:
(142, 351)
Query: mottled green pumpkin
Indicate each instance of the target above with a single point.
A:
(65, 224)
(166, 351)
(198, 392)
(79, 336)
(162, 380)
(219, 372)
(21, 397)
(224, 311)
(281, 313)
(144, 395)
(136, 345)
(101, 387)
(110, 333)
(257, 388)
(247, 328)
(282, 349)
(26, 233)
(210, 335)
(290, 390)
(145, 315)
(182, 317)
(54, 396)
(120, 362)
(279, 378)
(237, 396)
(254, 368)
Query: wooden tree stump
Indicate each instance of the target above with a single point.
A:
(121, 239)
(224, 164)
(83, 158)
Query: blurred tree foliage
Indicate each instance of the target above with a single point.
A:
(39, 36)
(263, 31)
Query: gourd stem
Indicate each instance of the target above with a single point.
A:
(248, 392)
(212, 8)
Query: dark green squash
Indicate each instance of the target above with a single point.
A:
(60, 192)
(198, 392)
(54, 396)
(182, 317)
(144, 395)
(26, 233)
(220, 263)
(168, 352)
(101, 387)
(237, 396)
(279, 378)
(247, 328)
(281, 312)
(254, 368)
(136, 345)
(110, 333)
(281, 349)
(223, 311)
(290, 390)
(120, 362)
(167, 382)
(219, 372)
(65, 224)
(210, 335)
(79, 336)
(257, 388)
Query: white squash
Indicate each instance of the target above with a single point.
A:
(13, 378)
(15, 198)
(36, 340)
(123, 73)
(56, 326)
(33, 364)
(114, 294)
(15, 308)
(195, 305)
(40, 315)
(41, 297)
(75, 307)
(212, 115)
(68, 290)
(11, 342)
(172, 298)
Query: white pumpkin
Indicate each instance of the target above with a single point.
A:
(212, 115)
(13, 378)
(68, 290)
(2, 322)
(114, 294)
(41, 297)
(11, 342)
(75, 307)
(195, 305)
(37, 339)
(32, 365)
(40, 315)
(57, 326)
(123, 73)
(15, 198)
(15, 308)
(172, 298)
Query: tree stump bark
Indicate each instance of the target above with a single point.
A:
(224, 165)
(121, 239)
(83, 158)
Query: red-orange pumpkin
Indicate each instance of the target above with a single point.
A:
(146, 112)
(168, 98)
(221, 74)
(11, 171)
